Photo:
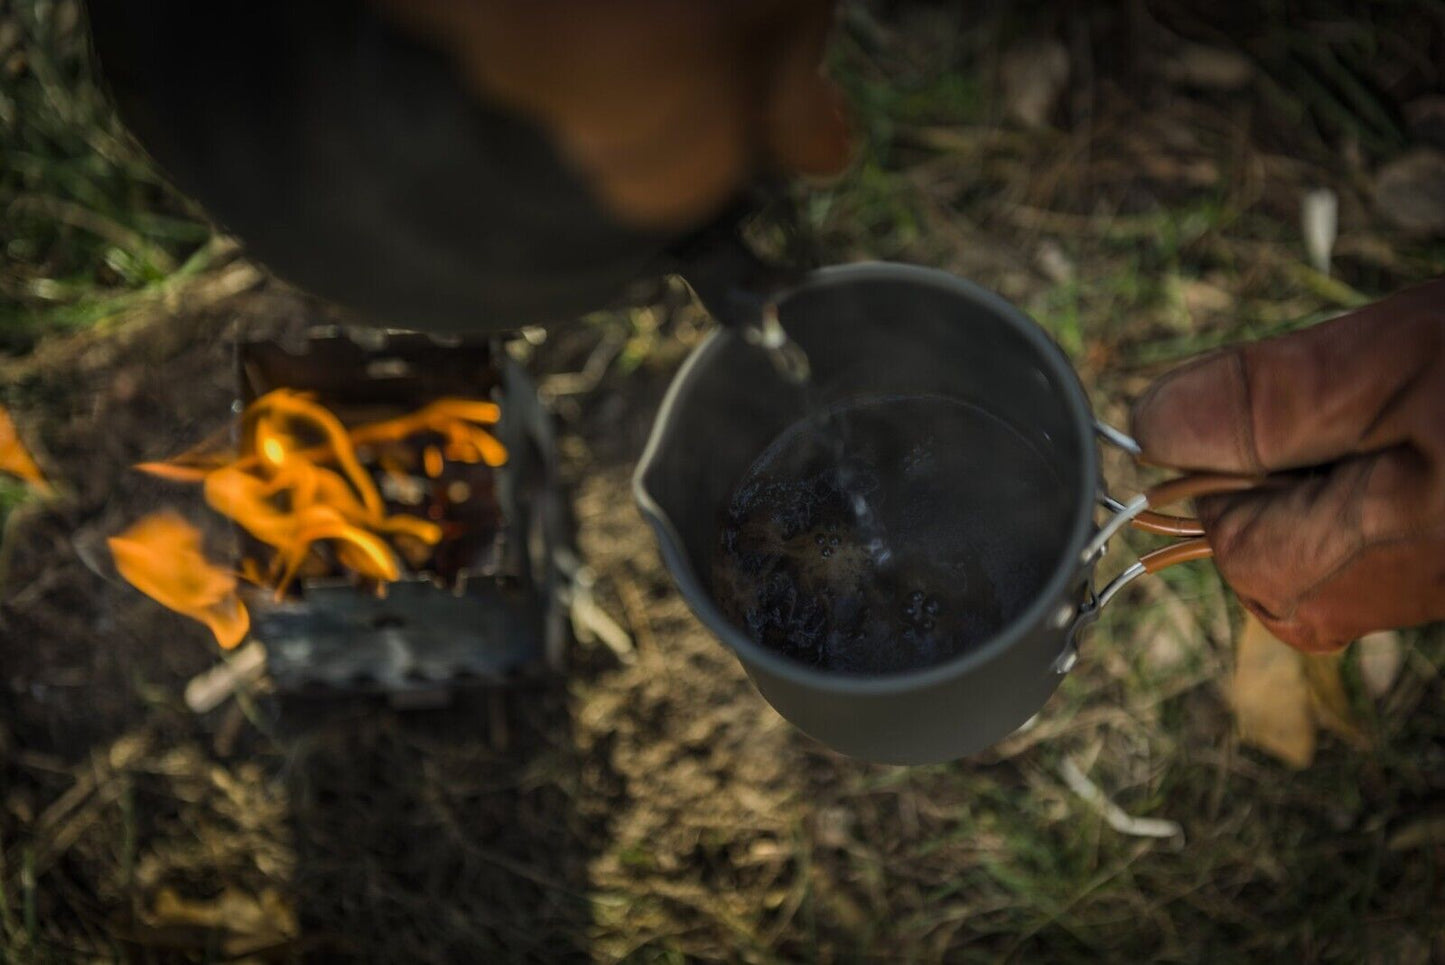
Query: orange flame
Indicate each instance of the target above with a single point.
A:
(161, 556)
(298, 481)
(15, 459)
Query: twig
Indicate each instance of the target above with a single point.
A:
(1115, 816)
(591, 622)
(61, 824)
(636, 607)
(592, 371)
(208, 690)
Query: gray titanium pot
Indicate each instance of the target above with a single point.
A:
(881, 330)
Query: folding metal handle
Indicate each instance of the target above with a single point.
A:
(1141, 512)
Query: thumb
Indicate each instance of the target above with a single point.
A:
(1302, 399)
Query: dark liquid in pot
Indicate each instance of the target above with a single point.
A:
(959, 502)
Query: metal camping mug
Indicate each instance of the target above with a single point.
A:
(877, 331)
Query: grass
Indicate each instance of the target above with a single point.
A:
(751, 838)
(88, 222)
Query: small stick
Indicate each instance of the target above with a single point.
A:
(208, 690)
(1115, 816)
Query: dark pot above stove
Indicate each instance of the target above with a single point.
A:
(350, 162)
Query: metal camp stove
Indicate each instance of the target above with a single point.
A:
(489, 607)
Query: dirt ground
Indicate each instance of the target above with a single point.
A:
(649, 809)
(648, 805)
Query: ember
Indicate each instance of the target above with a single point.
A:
(302, 485)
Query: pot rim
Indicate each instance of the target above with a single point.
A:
(1037, 613)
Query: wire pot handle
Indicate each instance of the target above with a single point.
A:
(1141, 512)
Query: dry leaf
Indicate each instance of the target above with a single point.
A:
(1204, 298)
(251, 922)
(1410, 192)
(1282, 697)
(1165, 650)
(1057, 266)
(1209, 68)
(1328, 701)
(1381, 657)
(1033, 74)
(1272, 697)
(1429, 831)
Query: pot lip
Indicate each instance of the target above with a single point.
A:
(1036, 615)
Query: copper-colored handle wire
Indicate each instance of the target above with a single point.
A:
(1166, 525)
(1177, 490)
(1200, 484)
(1190, 549)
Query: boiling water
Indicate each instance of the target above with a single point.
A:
(887, 535)
(792, 365)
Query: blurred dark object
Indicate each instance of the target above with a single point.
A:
(352, 163)
(1427, 120)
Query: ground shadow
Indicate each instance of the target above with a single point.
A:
(442, 835)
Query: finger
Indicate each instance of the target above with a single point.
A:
(1382, 588)
(1304, 399)
(1338, 554)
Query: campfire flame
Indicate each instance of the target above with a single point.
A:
(161, 556)
(15, 459)
(298, 482)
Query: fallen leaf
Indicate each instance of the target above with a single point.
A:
(1410, 192)
(1381, 656)
(1033, 74)
(1057, 266)
(1329, 703)
(1204, 298)
(251, 922)
(1282, 697)
(1419, 834)
(1209, 68)
(15, 459)
(1165, 650)
(1271, 696)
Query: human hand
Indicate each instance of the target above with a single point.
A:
(667, 109)
(1355, 407)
